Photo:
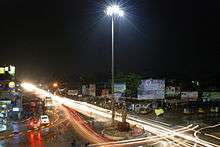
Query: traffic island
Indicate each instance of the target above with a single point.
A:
(115, 133)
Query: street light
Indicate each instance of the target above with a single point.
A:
(55, 85)
(113, 11)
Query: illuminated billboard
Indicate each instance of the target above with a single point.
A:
(151, 89)
(189, 96)
(2, 70)
(85, 90)
(10, 70)
(211, 95)
(92, 89)
(172, 92)
(15, 109)
(11, 84)
(105, 93)
(119, 87)
(72, 92)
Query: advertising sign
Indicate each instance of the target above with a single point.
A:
(2, 70)
(211, 95)
(72, 92)
(3, 127)
(12, 70)
(151, 89)
(11, 84)
(189, 96)
(6, 68)
(15, 109)
(3, 102)
(119, 87)
(172, 92)
(92, 90)
(105, 93)
(85, 90)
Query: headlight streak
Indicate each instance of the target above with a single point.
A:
(144, 139)
(208, 127)
(213, 136)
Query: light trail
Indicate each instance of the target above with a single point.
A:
(208, 127)
(213, 136)
(102, 114)
(82, 126)
(144, 139)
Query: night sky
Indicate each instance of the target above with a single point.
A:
(65, 37)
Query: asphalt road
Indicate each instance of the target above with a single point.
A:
(58, 133)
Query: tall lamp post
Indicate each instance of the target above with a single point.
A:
(113, 11)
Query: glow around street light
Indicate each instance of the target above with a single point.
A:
(55, 85)
(114, 10)
(28, 86)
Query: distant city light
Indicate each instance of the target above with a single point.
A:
(2, 70)
(11, 84)
(55, 85)
(6, 68)
(15, 109)
(12, 70)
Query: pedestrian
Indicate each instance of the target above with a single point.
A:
(73, 143)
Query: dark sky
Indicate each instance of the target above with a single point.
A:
(64, 37)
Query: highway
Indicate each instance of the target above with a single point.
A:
(163, 134)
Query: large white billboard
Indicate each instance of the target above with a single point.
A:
(151, 89)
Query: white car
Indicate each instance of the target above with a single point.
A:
(44, 119)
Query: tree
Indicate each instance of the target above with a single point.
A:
(132, 81)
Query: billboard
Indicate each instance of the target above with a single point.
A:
(172, 92)
(85, 90)
(72, 92)
(105, 93)
(10, 70)
(189, 96)
(15, 109)
(92, 89)
(2, 70)
(119, 87)
(211, 95)
(151, 89)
